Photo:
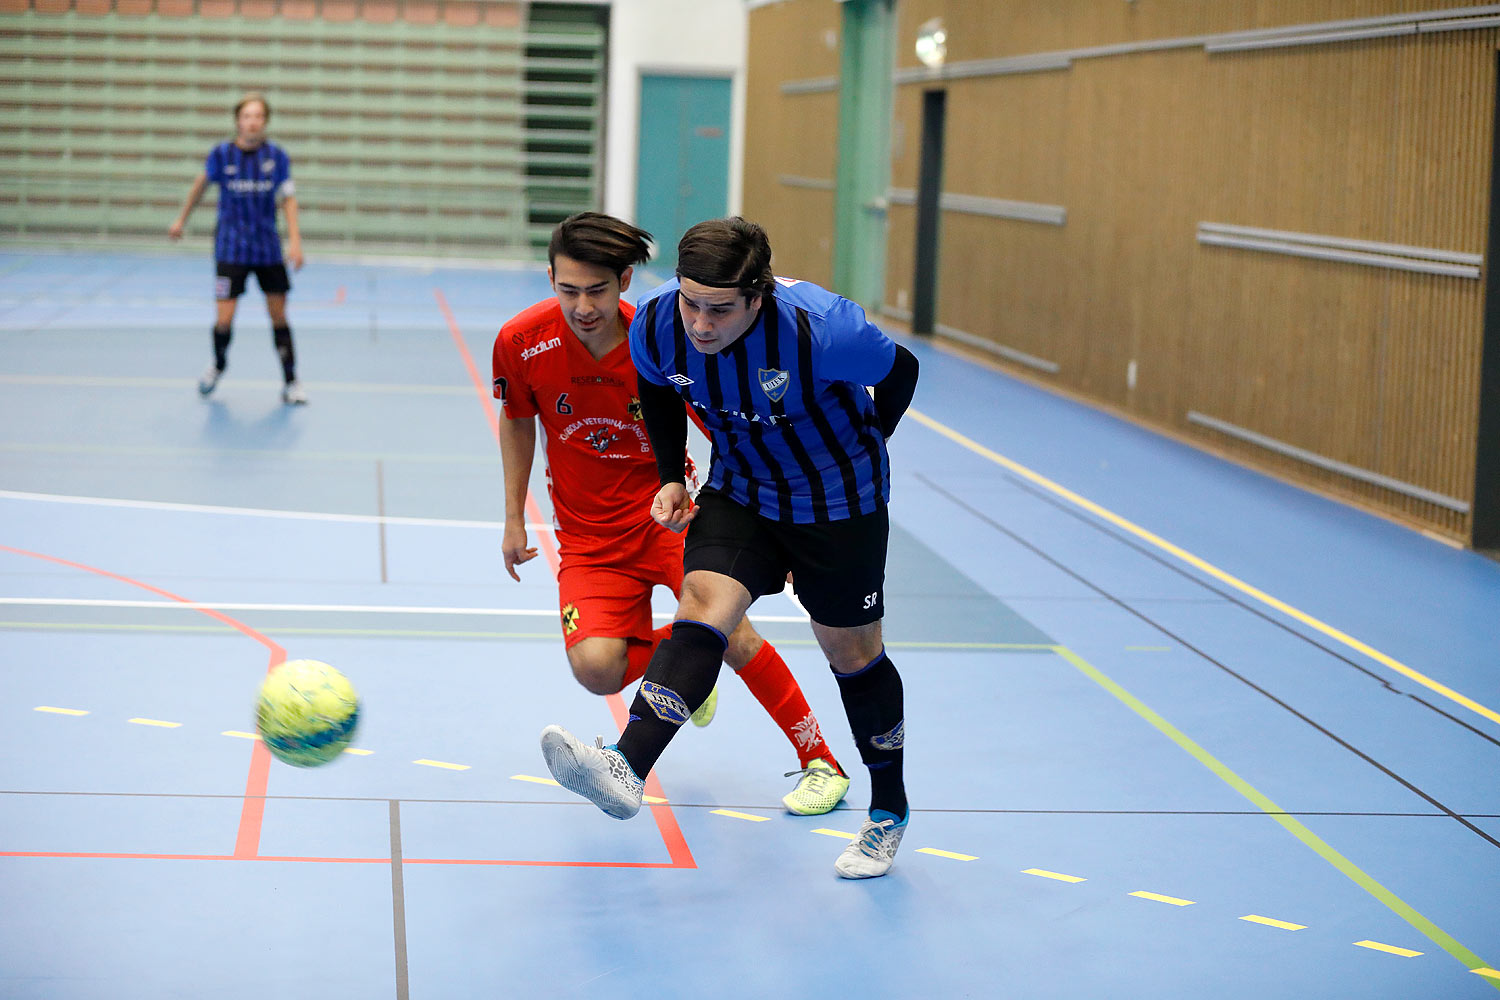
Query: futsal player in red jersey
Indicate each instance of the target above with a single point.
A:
(565, 362)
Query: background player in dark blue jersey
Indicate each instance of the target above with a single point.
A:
(253, 176)
(798, 483)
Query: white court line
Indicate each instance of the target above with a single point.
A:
(378, 609)
(299, 515)
(143, 382)
(193, 508)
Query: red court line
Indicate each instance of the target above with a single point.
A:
(252, 812)
(666, 820)
(489, 862)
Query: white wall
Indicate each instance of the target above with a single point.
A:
(683, 37)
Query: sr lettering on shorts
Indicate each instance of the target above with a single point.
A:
(222, 284)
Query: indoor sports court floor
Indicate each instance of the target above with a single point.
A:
(1177, 729)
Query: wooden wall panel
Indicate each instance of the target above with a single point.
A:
(792, 134)
(989, 29)
(1385, 140)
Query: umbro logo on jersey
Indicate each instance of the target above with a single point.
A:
(680, 379)
(774, 382)
(230, 168)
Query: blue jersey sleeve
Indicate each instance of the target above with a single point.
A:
(640, 352)
(854, 349)
(213, 167)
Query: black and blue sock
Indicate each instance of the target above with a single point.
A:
(681, 675)
(874, 702)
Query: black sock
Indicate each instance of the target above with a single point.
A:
(282, 335)
(874, 703)
(679, 678)
(221, 346)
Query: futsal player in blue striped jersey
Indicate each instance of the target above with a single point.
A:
(798, 484)
(253, 175)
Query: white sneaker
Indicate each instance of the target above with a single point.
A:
(292, 394)
(873, 851)
(209, 379)
(599, 773)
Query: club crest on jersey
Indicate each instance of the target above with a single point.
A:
(634, 408)
(600, 440)
(774, 382)
(680, 379)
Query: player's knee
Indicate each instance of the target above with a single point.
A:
(599, 675)
(744, 643)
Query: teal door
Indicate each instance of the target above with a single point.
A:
(682, 173)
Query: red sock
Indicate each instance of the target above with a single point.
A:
(773, 685)
(638, 654)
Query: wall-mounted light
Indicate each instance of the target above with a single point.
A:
(932, 43)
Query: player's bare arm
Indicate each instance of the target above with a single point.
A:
(194, 193)
(293, 233)
(517, 448)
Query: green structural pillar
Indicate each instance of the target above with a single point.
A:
(864, 153)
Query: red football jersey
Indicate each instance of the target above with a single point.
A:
(601, 474)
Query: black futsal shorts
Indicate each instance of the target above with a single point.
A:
(837, 567)
(229, 280)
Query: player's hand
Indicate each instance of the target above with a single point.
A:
(294, 254)
(516, 551)
(673, 509)
(174, 231)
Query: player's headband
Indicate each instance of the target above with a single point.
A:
(717, 284)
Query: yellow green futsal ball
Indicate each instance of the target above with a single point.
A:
(306, 713)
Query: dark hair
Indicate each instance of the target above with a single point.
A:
(727, 253)
(599, 239)
(253, 96)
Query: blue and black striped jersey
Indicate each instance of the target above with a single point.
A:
(250, 182)
(794, 431)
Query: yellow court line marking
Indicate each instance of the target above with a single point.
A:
(1387, 948)
(1491, 973)
(1207, 567)
(1163, 899)
(739, 815)
(835, 833)
(441, 763)
(1291, 824)
(239, 735)
(155, 722)
(1255, 919)
(549, 781)
(946, 854)
(60, 711)
(356, 751)
(1042, 872)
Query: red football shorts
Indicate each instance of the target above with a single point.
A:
(604, 584)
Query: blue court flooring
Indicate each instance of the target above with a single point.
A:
(1177, 729)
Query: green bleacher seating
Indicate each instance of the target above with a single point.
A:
(429, 135)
